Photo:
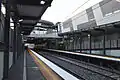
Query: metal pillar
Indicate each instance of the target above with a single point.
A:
(6, 40)
(104, 52)
(56, 43)
(63, 39)
(18, 41)
(15, 32)
(65, 44)
(90, 37)
(80, 43)
(17, 44)
(14, 42)
(17, 51)
(73, 42)
(104, 35)
(57, 29)
(117, 44)
(69, 43)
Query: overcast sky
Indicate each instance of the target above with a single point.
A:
(61, 10)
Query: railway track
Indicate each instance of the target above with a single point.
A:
(81, 69)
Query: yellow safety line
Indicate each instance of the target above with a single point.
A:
(45, 70)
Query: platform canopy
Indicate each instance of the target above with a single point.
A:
(28, 12)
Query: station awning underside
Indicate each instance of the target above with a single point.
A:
(29, 11)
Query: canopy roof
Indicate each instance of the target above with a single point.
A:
(28, 12)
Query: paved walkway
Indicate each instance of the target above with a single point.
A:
(16, 71)
(32, 71)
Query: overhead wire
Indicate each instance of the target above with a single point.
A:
(79, 7)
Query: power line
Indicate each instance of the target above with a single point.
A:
(80, 6)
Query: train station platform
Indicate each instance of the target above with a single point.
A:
(25, 69)
(86, 44)
(32, 66)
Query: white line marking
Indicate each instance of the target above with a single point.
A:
(82, 54)
(24, 70)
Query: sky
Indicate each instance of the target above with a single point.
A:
(62, 10)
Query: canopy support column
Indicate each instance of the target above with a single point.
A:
(6, 40)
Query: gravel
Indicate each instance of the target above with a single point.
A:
(84, 71)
